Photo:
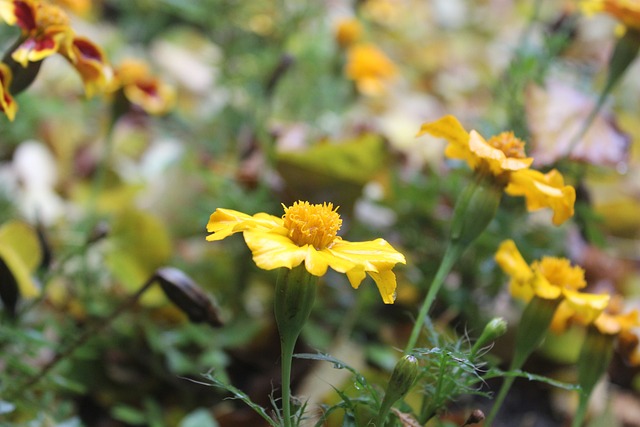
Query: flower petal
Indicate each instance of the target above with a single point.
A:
(497, 160)
(372, 256)
(544, 190)
(386, 281)
(272, 250)
(511, 261)
(224, 222)
(586, 306)
(449, 128)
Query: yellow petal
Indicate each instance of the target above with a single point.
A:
(561, 317)
(356, 276)
(386, 281)
(224, 222)
(543, 190)
(271, 250)
(510, 260)
(544, 289)
(372, 256)
(586, 306)
(614, 324)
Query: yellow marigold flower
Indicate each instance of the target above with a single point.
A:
(141, 88)
(503, 157)
(348, 31)
(7, 104)
(369, 67)
(548, 278)
(613, 321)
(625, 11)
(44, 28)
(307, 234)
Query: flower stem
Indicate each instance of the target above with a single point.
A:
(451, 255)
(295, 293)
(287, 346)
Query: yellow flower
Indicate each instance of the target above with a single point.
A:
(550, 278)
(7, 104)
(369, 67)
(307, 234)
(625, 11)
(141, 88)
(348, 31)
(613, 322)
(503, 157)
(90, 62)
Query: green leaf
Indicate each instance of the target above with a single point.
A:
(21, 252)
(140, 244)
(128, 414)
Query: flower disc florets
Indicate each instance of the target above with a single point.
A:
(511, 146)
(315, 225)
(560, 272)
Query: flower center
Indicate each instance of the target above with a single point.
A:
(49, 15)
(511, 146)
(559, 272)
(315, 225)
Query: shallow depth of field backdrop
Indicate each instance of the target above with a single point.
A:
(125, 124)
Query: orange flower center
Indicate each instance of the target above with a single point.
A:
(315, 225)
(511, 146)
(559, 272)
(48, 15)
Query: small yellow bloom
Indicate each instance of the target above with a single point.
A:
(7, 104)
(369, 67)
(348, 31)
(308, 234)
(625, 11)
(548, 278)
(503, 157)
(90, 62)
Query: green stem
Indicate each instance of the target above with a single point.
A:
(451, 255)
(582, 410)
(287, 356)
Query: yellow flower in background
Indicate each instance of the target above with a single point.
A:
(503, 157)
(141, 88)
(307, 233)
(369, 67)
(7, 104)
(44, 28)
(550, 278)
(79, 7)
(348, 31)
(625, 11)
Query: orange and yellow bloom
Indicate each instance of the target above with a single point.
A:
(550, 278)
(7, 104)
(307, 234)
(141, 88)
(503, 158)
(369, 67)
(90, 62)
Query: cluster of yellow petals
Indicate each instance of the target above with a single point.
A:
(625, 11)
(307, 233)
(141, 88)
(503, 157)
(370, 68)
(550, 278)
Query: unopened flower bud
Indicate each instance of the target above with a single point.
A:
(493, 330)
(474, 210)
(474, 418)
(404, 375)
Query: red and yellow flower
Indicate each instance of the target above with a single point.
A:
(503, 158)
(307, 234)
(143, 89)
(90, 62)
(7, 104)
(44, 26)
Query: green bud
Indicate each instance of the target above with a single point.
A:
(493, 330)
(402, 379)
(533, 327)
(594, 358)
(474, 210)
(293, 300)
